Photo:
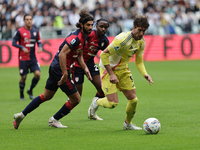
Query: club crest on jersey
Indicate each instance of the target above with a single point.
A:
(73, 41)
(34, 33)
(21, 71)
(76, 79)
(102, 44)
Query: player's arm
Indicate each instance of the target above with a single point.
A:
(141, 68)
(105, 60)
(81, 63)
(63, 61)
(39, 43)
(16, 39)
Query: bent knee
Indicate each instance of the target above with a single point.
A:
(135, 100)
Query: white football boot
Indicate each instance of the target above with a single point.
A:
(92, 110)
(55, 123)
(18, 119)
(131, 127)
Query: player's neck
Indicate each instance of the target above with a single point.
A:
(132, 34)
(28, 28)
(98, 35)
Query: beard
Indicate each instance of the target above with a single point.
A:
(86, 31)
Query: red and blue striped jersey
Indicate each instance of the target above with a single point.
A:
(93, 45)
(26, 38)
(76, 42)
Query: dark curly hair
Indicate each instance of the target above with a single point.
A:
(85, 16)
(141, 21)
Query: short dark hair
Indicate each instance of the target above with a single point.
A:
(85, 16)
(26, 15)
(102, 19)
(141, 21)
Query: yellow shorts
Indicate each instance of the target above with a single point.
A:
(125, 81)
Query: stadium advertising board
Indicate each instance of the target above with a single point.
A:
(158, 48)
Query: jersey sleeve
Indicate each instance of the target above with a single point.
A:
(38, 40)
(16, 38)
(117, 44)
(139, 59)
(72, 41)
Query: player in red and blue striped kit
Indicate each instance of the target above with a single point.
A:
(27, 37)
(96, 41)
(59, 76)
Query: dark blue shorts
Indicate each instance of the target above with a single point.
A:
(24, 67)
(55, 75)
(78, 73)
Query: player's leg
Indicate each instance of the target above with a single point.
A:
(78, 78)
(110, 101)
(22, 85)
(128, 88)
(74, 98)
(50, 89)
(130, 110)
(35, 68)
(23, 70)
(97, 83)
(35, 103)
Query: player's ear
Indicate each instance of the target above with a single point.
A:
(81, 25)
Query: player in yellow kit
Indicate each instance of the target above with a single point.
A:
(115, 73)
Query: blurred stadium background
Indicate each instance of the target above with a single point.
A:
(174, 31)
(56, 19)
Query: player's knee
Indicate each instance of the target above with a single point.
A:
(134, 101)
(23, 78)
(37, 75)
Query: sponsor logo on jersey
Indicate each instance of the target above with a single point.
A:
(29, 45)
(73, 41)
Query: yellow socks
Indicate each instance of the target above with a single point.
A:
(105, 103)
(131, 109)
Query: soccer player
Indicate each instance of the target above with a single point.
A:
(96, 41)
(27, 36)
(59, 76)
(115, 73)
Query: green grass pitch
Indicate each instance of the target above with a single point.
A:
(174, 99)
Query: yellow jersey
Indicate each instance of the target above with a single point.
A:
(121, 50)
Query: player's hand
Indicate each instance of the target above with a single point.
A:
(148, 78)
(63, 79)
(113, 79)
(39, 50)
(87, 72)
(25, 50)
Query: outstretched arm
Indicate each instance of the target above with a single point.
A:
(16, 39)
(63, 61)
(141, 68)
(105, 60)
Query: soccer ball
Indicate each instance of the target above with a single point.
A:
(151, 126)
